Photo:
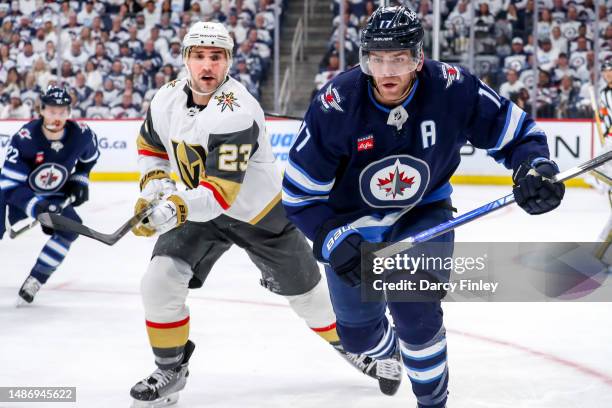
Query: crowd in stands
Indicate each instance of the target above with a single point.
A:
(504, 46)
(113, 55)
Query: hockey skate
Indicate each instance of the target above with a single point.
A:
(363, 363)
(28, 290)
(389, 373)
(161, 388)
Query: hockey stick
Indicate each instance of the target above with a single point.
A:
(601, 177)
(15, 233)
(488, 208)
(62, 223)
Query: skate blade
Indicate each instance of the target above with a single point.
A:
(21, 302)
(168, 400)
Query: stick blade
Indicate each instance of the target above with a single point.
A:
(61, 223)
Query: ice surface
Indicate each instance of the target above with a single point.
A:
(86, 326)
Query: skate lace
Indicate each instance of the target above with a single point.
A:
(389, 368)
(161, 377)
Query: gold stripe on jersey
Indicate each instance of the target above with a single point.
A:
(227, 189)
(267, 209)
(142, 144)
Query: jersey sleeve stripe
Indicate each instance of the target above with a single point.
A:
(484, 92)
(15, 175)
(7, 185)
(514, 122)
(218, 196)
(92, 158)
(30, 205)
(303, 181)
(295, 200)
(144, 152)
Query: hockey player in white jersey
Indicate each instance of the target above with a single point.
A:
(211, 132)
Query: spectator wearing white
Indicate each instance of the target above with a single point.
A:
(88, 43)
(38, 41)
(133, 41)
(585, 71)
(159, 81)
(50, 57)
(15, 109)
(136, 95)
(92, 75)
(329, 72)
(42, 73)
(30, 92)
(143, 31)
(49, 28)
(27, 7)
(70, 31)
(173, 56)
(116, 75)
(142, 82)
(350, 28)
(559, 11)
(83, 92)
(6, 31)
(512, 84)
(166, 29)
(569, 28)
(260, 47)
(25, 28)
(77, 110)
(99, 110)
(582, 43)
(87, 14)
(151, 60)
(125, 110)
(547, 54)
(117, 32)
(26, 58)
(518, 59)
(112, 48)
(568, 97)
(161, 43)
(97, 29)
(15, 46)
(151, 14)
(262, 33)
(563, 68)
(64, 13)
(66, 75)
(76, 56)
(558, 40)
(101, 58)
(112, 95)
(578, 56)
(126, 59)
(233, 26)
(243, 76)
(13, 81)
(545, 23)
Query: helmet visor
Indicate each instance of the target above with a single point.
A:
(389, 63)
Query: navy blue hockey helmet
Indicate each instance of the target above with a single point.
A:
(395, 28)
(56, 96)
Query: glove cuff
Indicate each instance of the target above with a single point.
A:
(152, 175)
(334, 238)
(80, 178)
(181, 209)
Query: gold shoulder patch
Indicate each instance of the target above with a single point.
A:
(227, 100)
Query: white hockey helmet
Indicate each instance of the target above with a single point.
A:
(208, 34)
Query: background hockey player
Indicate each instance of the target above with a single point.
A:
(372, 162)
(210, 131)
(47, 161)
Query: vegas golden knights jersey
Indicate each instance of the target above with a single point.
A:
(221, 152)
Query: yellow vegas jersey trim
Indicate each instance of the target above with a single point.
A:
(267, 209)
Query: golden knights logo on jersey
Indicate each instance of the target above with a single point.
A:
(190, 159)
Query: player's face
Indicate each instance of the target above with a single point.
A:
(607, 74)
(208, 67)
(55, 117)
(393, 72)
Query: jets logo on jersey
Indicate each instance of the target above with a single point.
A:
(395, 181)
(226, 100)
(48, 178)
(451, 74)
(331, 100)
(190, 159)
(24, 134)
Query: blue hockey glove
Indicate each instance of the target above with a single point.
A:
(78, 187)
(533, 190)
(340, 247)
(45, 206)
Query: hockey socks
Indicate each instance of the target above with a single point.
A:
(168, 341)
(50, 258)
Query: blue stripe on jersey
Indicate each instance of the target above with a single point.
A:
(303, 181)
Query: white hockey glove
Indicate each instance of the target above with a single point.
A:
(168, 213)
(156, 184)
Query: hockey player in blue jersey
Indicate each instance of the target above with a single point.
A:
(47, 161)
(372, 163)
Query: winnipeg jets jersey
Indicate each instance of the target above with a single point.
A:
(35, 167)
(221, 151)
(358, 162)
